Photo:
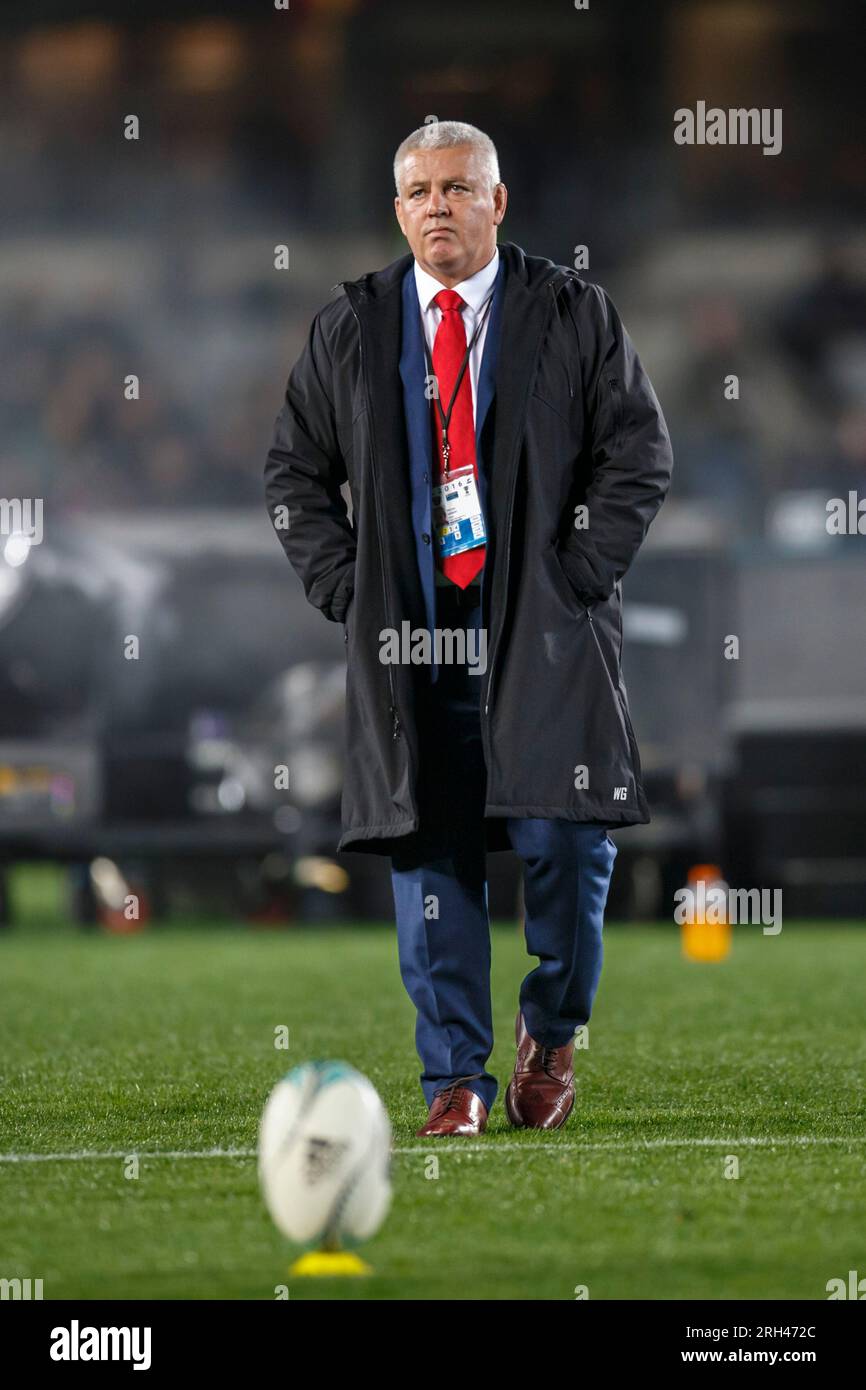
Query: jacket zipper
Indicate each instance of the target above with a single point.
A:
(554, 286)
(620, 707)
(616, 397)
(396, 726)
(604, 664)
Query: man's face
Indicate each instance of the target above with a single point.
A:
(447, 212)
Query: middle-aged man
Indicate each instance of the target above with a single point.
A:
(505, 455)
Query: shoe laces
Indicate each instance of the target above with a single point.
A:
(450, 1090)
(548, 1057)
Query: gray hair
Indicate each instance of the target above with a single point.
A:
(441, 135)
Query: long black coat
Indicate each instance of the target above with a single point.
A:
(575, 422)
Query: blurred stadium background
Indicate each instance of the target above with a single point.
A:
(155, 257)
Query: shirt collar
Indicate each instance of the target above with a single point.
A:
(474, 290)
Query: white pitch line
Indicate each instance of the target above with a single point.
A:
(460, 1146)
(638, 1145)
(83, 1155)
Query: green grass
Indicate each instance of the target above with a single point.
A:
(164, 1042)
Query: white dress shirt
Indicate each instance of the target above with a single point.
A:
(475, 291)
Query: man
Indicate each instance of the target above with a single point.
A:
(505, 455)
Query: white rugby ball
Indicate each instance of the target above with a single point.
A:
(325, 1155)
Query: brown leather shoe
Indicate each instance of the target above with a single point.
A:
(540, 1094)
(455, 1110)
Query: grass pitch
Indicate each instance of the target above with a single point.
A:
(163, 1044)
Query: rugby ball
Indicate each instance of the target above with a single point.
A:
(324, 1156)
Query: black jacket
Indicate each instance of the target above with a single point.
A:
(575, 421)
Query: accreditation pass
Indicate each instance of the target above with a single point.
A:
(458, 523)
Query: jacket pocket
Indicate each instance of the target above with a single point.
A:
(537, 396)
(576, 599)
(615, 389)
(346, 434)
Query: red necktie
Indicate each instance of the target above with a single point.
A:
(449, 349)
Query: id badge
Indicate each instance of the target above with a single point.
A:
(458, 523)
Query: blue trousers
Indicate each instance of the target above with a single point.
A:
(440, 894)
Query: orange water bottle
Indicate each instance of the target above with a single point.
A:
(703, 914)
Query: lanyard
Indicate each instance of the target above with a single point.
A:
(445, 416)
